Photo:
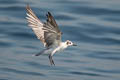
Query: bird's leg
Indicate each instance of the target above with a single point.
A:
(50, 56)
(51, 60)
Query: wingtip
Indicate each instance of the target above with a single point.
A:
(27, 7)
(49, 13)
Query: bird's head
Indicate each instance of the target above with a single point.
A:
(70, 43)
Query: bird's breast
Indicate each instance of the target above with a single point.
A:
(62, 47)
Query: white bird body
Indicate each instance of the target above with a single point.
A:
(48, 33)
(62, 46)
(54, 49)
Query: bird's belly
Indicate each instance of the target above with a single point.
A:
(48, 51)
(61, 49)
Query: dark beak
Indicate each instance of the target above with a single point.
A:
(74, 45)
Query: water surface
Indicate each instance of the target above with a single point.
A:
(92, 24)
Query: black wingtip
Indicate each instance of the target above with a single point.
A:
(49, 14)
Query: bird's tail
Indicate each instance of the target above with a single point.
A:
(42, 52)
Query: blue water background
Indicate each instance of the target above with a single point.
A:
(94, 25)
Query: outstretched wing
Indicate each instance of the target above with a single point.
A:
(48, 32)
(35, 24)
(52, 36)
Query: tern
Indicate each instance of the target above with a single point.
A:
(48, 33)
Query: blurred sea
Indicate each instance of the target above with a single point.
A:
(94, 25)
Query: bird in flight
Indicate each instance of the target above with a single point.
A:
(48, 33)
